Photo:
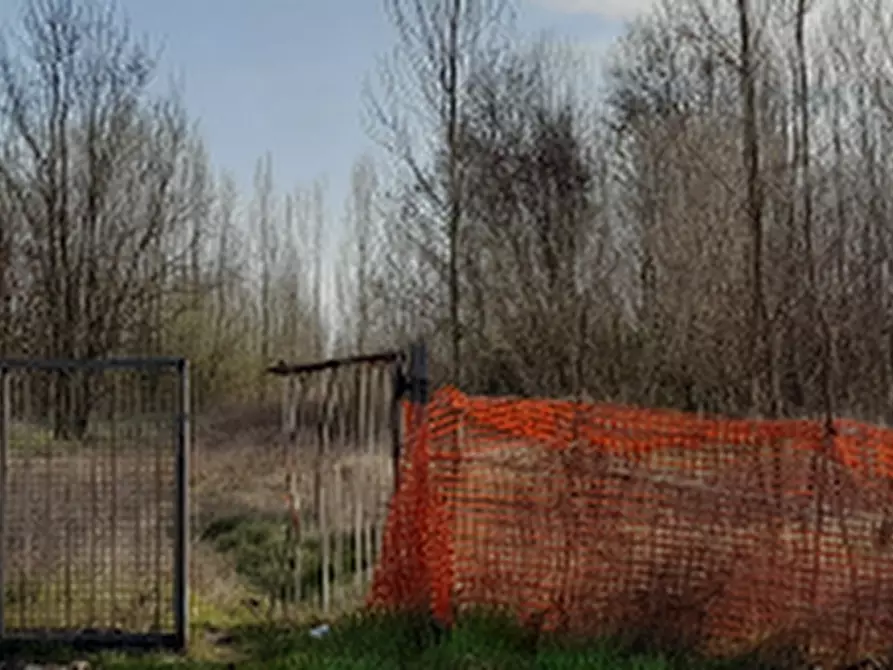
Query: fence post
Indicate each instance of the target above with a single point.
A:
(418, 373)
(399, 388)
(5, 417)
(181, 579)
(411, 383)
(419, 392)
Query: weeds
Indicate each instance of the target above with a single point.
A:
(264, 556)
(407, 642)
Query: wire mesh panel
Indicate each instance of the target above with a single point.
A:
(94, 500)
(595, 519)
(341, 419)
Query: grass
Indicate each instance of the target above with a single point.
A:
(260, 550)
(386, 642)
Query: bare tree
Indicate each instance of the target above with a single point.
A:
(750, 156)
(530, 219)
(90, 168)
(317, 249)
(422, 93)
(357, 275)
(263, 184)
(363, 185)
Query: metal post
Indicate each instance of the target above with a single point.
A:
(418, 373)
(5, 417)
(181, 579)
(418, 381)
(397, 421)
(414, 384)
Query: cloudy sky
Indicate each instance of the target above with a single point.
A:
(286, 75)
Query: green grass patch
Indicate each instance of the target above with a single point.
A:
(264, 555)
(410, 643)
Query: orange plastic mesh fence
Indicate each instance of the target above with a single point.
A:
(602, 519)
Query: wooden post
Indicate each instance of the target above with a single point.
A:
(339, 526)
(361, 488)
(379, 514)
(359, 495)
(372, 472)
(398, 387)
(294, 535)
(324, 471)
(181, 577)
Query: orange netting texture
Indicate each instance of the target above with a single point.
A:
(601, 519)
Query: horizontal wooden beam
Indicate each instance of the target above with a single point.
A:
(286, 369)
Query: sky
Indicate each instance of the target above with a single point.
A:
(286, 76)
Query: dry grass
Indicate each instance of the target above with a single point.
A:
(89, 533)
(90, 526)
(88, 538)
(242, 473)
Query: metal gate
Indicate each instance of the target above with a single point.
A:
(342, 422)
(94, 501)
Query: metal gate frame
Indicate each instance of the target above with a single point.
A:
(180, 637)
(410, 381)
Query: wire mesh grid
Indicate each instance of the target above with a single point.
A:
(342, 429)
(89, 535)
(596, 519)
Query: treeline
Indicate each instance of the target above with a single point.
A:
(709, 230)
(706, 226)
(118, 237)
